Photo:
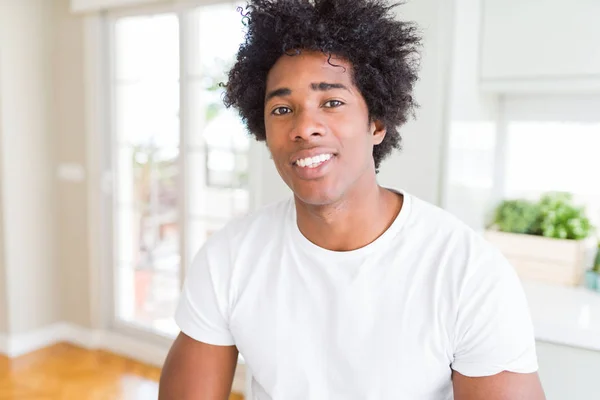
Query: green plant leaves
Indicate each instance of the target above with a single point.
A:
(553, 216)
(516, 216)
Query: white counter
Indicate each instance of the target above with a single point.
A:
(565, 315)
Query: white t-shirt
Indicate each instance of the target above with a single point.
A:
(387, 321)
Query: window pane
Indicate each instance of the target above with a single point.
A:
(554, 156)
(147, 80)
(147, 230)
(148, 241)
(147, 113)
(212, 124)
(214, 201)
(147, 178)
(562, 153)
(471, 155)
(148, 298)
(147, 48)
(214, 57)
(209, 62)
(470, 171)
(217, 163)
(200, 230)
(146, 89)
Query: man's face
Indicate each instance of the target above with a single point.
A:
(318, 129)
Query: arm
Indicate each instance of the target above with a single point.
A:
(495, 352)
(196, 370)
(202, 360)
(502, 386)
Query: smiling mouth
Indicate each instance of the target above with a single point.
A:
(313, 162)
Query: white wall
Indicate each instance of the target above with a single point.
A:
(27, 182)
(70, 148)
(530, 39)
(417, 168)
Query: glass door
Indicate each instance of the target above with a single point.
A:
(180, 159)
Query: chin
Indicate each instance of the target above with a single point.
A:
(316, 196)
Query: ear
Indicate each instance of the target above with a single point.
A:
(378, 131)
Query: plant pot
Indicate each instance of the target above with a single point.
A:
(549, 260)
(592, 279)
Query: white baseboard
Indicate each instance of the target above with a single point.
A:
(133, 348)
(3, 344)
(19, 344)
(153, 354)
(83, 337)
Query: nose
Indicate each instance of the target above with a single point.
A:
(307, 126)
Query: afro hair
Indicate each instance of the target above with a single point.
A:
(383, 51)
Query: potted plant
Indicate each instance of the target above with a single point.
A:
(546, 240)
(592, 277)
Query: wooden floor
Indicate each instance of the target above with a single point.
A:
(66, 372)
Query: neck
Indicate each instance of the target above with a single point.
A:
(352, 222)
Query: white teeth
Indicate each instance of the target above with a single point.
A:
(312, 162)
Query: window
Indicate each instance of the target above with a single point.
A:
(537, 144)
(470, 171)
(551, 145)
(180, 159)
(554, 156)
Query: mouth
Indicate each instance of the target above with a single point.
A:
(313, 162)
(315, 167)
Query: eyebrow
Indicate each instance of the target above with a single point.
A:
(281, 92)
(321, 86)
(324, 86)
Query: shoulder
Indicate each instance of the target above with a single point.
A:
(253, 230)
(431, 217)
(460, 250)
(427, 220)
(476, 283)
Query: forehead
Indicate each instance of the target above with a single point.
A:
(308, 67)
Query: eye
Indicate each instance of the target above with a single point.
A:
(333, 104)
(281, 111)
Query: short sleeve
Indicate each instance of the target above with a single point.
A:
(493, 332)
(202, 310)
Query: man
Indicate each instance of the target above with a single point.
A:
(348, 290)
